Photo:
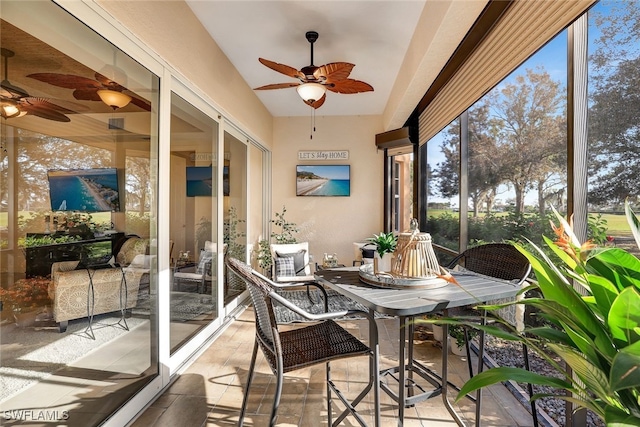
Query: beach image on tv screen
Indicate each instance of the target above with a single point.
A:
(329, 180)
(88, 190)
(199, 181)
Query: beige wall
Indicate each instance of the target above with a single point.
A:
(330, 224)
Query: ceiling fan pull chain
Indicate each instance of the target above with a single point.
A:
(313, 122)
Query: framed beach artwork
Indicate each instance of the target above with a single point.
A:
(323, 180)
(84, 190)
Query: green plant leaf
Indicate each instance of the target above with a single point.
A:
(617, 265)
(497, 375)
(496, 331)
(633, 221)
(583, 343)
(551, 281)
(615, 417)
(624, 316)
(587, 325)
(570, 262)
(604, 293)
(550, 334)
(385, 242)
(590, 404)
(595, 380)
(625, 370)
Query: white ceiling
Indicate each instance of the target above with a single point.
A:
(374, 35)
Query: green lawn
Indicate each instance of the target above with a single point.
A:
(616, 223)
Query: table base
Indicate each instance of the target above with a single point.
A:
(410, 370)
(414, 391)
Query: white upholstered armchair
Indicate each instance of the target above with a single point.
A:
(291, 263)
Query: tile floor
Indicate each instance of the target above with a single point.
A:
(209, 392)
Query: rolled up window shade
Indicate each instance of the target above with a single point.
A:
(523, 29)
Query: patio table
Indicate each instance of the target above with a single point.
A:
(406, 304)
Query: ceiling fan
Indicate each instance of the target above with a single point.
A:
(314, 80)
(16, 102)
(103, 88)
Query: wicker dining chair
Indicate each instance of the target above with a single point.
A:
(502, 261)
(321, 342)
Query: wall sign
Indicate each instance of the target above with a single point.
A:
(323, 155)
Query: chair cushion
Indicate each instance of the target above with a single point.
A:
(141, 261)
(298, 262)
(285, 266)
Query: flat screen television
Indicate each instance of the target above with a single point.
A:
(323, 180)
(225, 180)
(200, 181)
(84, 190)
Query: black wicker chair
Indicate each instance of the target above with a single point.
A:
(502, 261)
(321, 342)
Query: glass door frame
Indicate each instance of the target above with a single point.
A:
(186, 352)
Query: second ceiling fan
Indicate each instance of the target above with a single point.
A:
(314, 80)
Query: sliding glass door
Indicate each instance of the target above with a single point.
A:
(194, 251)
(78, 215)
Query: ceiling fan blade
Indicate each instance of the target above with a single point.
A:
(349, 86)
(5, 93)
(42, 103)
(110, 84)
(281, 68)
(11, 91)
(67, 81)
(40, 110)
(277, 86)
(333, 72)
(140, 102)
(86, 95)
(316, 104)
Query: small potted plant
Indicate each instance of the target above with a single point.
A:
(385, 247)
(456, 335)
(286, 235)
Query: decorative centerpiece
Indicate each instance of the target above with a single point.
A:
(414, 264)
(415, 256)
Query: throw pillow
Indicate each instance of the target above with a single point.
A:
(205, 261)
(299, 263)
(284, 267)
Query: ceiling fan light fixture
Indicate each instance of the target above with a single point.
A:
(311, 92)
(114, 99)
(9, 110)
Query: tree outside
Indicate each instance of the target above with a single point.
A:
(516, 140)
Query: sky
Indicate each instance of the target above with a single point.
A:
(327, 171)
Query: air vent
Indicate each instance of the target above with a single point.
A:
(116, 123)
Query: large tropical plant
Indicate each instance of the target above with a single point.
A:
(596, 332)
